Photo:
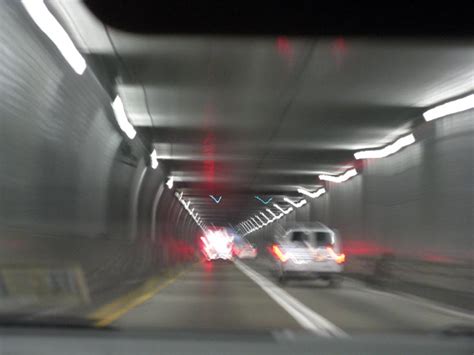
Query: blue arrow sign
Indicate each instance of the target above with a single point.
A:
(216, 199)
(263, 201)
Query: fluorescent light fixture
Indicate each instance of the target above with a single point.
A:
(295, 204)
(268, 219)
(260, 220)
(154, 160)
(170, 182)
(288, 210)
(253, 224)
(47, 23)
(449, 108)
(122, 120)
(387, 150)
(256, 223)
(274, 215)
(315, 194)
(339, 178)
(253, 227)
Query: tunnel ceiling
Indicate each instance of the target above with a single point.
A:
(263, 116)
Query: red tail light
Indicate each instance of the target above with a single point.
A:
(340, 259)
(279, 254)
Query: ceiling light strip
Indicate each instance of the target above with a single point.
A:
(121, 118)
(387, 150)
(295, 204)
(339, 178)
(315, 194)
(47, 23)
(449, 108)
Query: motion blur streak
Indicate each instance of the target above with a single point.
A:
(386, 151)
(279, 254)
(170, 182)
(314, 194)
(51, 27)
(154, 159)
(268, 219)
(288, 210)
(121, 117)
(260, 220)
(340, 259)
(274, 215)
(449, 108)
(296, 204)
(339, 178)
(85, 220)
(256, 223)
(217, 244)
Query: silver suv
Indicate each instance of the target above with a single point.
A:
(308, 251)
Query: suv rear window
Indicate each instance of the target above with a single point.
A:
(323, 239)
(300, 236)
(315, 239)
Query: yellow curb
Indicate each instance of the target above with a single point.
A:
(117, 308)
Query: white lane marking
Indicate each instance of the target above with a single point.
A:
(423, 302)
(406, 297)
(305, 316)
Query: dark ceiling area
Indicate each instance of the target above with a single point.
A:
(297, 17)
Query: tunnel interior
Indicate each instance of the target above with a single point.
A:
(238, 128)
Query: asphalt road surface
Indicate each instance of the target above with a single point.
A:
(244, 296)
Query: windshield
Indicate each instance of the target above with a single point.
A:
(146, 179)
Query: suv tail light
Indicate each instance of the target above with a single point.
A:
(279, 254)
(340, 259)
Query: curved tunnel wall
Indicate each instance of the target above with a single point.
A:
(69, 192)
(416, 205)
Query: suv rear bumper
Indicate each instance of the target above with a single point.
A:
(312, 267)
(302, 275)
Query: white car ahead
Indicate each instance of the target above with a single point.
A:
(308, 252)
